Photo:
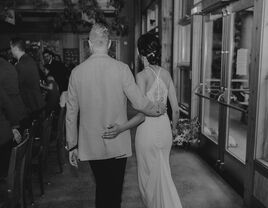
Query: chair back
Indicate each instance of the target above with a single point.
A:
(16, 172)
(31, 133)
(61, 128)
(45, 137)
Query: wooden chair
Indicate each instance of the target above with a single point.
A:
(60, 138)
(14, 184)
(39, 160)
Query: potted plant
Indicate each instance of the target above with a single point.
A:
(188, 132)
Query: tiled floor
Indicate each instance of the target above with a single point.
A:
(197, 184)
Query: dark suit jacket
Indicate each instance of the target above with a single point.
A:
(29, 84)
(9, 83)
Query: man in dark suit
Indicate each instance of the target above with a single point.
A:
(57, 70)
(28, 76)
(9, 83)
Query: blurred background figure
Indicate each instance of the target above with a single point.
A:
(52, 92)
(28, 76)
(9, 83)
(56, 68)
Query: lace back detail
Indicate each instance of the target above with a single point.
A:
(158, 90)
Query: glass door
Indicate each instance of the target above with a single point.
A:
(238, 87)
(225, 88)
(211, 75)
(212, 80)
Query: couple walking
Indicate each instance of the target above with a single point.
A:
(98, 91)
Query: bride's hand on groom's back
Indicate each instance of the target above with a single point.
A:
(111, 131)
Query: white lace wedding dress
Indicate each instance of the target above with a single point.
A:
(153, 143)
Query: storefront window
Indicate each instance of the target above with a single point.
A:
(184, 70)
(182, 51)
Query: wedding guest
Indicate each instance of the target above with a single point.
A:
(10, 84)
(53, 94)
(28, 76)
(57, 70)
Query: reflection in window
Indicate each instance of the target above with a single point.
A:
(239, 84)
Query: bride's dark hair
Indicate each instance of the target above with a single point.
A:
(149, 46)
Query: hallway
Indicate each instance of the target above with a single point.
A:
(198, 185)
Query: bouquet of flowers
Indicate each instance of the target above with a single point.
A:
(188, 130)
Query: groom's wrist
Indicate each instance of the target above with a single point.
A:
(73, 148)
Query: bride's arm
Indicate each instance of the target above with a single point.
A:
(114, 129)
(174, 105)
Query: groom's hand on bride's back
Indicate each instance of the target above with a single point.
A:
(159, 109)
(162, 107)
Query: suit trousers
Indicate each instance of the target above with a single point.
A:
(109, 176)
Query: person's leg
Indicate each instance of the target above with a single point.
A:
(99, 171)
(109, 176)
(117, 170)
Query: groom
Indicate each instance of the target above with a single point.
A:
(98, 90)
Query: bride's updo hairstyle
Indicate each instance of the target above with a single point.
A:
(149, 46)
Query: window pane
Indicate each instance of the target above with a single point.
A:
(185, 86)
(210, 123)
(152, 17)
(212, 57)
(184, 48)
(186, 7)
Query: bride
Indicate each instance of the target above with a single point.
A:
(154, 134)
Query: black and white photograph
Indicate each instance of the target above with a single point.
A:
(133, 104)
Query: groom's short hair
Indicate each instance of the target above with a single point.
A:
(99, 35)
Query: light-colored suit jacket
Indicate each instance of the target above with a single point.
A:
(98, 91)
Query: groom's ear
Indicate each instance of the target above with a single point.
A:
(90, 45)
(109, 44)
(138, 52)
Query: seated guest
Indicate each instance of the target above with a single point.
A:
(57, 69)
(9, 83)
(53, 94)
(8, 131)
(28, 76)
